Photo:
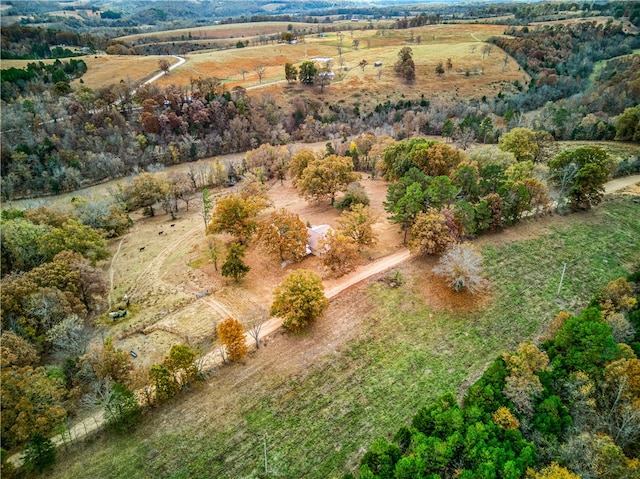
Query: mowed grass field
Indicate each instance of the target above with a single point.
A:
(402, 348)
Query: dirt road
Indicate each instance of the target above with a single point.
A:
(621, 183)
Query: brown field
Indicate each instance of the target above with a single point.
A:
(163, 280)
(104, 70)
(371, 85)
(234, 30)
(473, 74)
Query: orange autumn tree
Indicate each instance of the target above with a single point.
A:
(231, 334)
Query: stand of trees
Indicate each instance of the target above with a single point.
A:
(557, 66)
(567, 408)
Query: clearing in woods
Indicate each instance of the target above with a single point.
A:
(163, 279)
(104, 70)
(320, 397)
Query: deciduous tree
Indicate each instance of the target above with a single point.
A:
(357, 223)
(145, 191)
(339, 253)
(39, 453)
(307, 72)
(237, 216)
(555, 471)
(592, 167)
(299, 299)
(284, 235)
(628, 125)
(32, 403)
(76, 237)
(181, 362)
(521, 142)
(273, 160)
(461, 265)
(407, 198)
(20, 245)
(523, 384)
(15, 351)
(108, 361)
(163, 380)
(121, 410)
(299, 163)
(231, 334)
(164, 65)
(324, 178)
(430, 233)
(405, 66)
(290, 72)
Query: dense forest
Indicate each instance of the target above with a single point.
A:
(568, 408)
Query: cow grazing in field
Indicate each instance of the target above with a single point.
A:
(142, 249)
(173, 225)
(161, 232)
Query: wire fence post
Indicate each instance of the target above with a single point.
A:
(265, 456)
(562, 278)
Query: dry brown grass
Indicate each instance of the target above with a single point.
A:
(104, 70)
(487, 75)
(472, 75)
(109, 69)
(234, 30)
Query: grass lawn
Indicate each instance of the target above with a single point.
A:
(318, 423)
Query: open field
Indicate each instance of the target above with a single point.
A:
(104, 70)
(473, 74)
(319, 398)
(232, 30)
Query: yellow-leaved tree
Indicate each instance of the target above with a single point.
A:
(283, 235)
(299, 299)
(231, 334)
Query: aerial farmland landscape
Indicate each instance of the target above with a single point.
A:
(320, 239)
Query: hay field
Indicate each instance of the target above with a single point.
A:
(104, 70)
(234, 30)
(473, 74)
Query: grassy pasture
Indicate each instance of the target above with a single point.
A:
(364, 87)
(104, 70)
(473, 74)
(386, 353)
(233, 30)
